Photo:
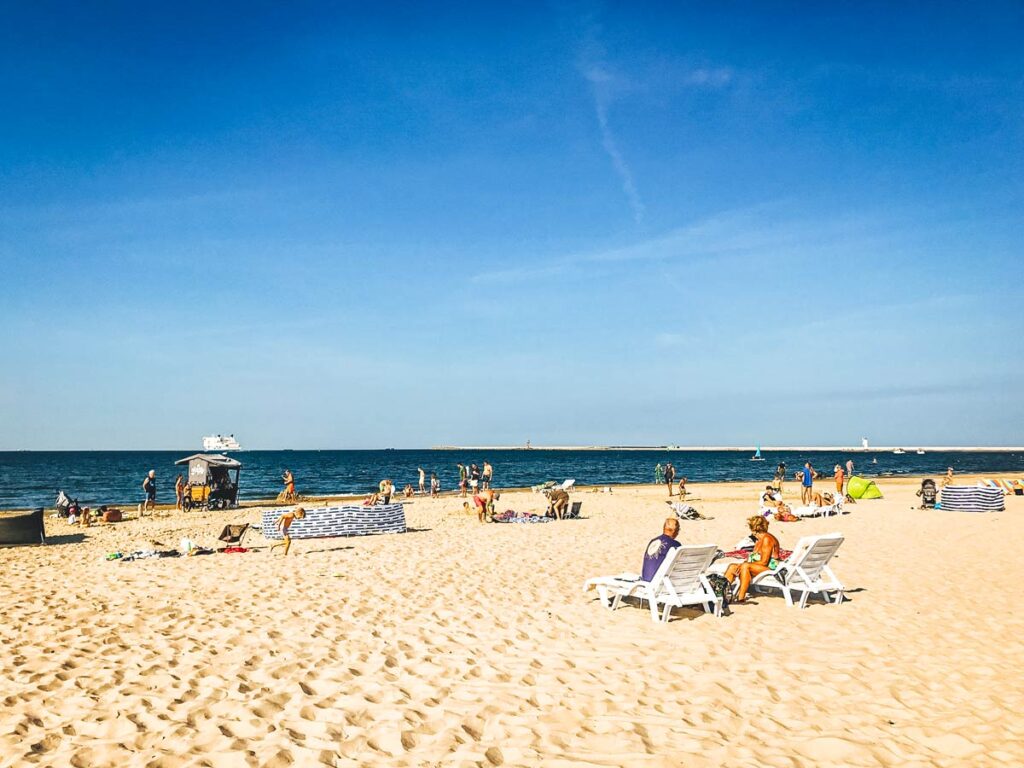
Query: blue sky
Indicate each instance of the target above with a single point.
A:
(328, 226)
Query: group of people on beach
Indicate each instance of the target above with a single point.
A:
(473, 478)
(667, 475)
(764, 555)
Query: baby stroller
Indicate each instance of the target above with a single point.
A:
(927, 494)
(66, 506)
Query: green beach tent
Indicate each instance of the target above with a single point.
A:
(859, 488)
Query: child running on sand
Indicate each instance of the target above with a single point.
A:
(283, 523)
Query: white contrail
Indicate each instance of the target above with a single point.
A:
(599, 80)
(608, 142)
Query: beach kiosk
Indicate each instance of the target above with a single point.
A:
(212, 481)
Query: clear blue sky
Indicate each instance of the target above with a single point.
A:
(320, 226)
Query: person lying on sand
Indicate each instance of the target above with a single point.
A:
(765, 557)
(283, 523)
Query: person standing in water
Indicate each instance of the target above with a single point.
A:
(659, 474)
(423, 480)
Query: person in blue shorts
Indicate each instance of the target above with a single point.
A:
(807, 484)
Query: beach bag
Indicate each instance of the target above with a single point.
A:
(722, 588)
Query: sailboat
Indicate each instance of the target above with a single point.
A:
(757, 455)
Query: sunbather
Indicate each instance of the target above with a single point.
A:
(284, 523)
(765, 557)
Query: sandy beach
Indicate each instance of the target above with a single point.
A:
(462, 644)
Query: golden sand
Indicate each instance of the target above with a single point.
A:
(462, 644)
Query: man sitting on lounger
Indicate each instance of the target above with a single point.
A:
(659, 547)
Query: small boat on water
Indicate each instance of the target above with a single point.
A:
(757, 455)
(920, 452)
(899, 451)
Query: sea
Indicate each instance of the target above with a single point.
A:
(32, 478)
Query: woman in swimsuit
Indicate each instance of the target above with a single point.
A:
(765, 557)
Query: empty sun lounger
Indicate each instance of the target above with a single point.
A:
(574, 510)
(681, 580)
(806, 571)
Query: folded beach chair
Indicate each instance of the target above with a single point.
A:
(681, 580)
(806, 570)
(685, 511)
(232, 537)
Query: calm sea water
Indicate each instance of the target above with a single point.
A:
(29, 479)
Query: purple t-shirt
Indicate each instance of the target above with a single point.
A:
(657, 550)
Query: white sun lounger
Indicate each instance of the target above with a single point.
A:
(681, 580)
(806, 571)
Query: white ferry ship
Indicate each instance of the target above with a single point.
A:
(220, 443)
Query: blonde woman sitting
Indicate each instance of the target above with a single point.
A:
(765, 557)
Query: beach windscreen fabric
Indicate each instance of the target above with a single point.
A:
(23, 528)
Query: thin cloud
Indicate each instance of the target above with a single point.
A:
(709, 77)
(602, 84)
(753, 230)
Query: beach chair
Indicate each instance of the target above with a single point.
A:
(806, 571)
(574, 510)
(232, 536)
(681, 580)
(566, 485)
